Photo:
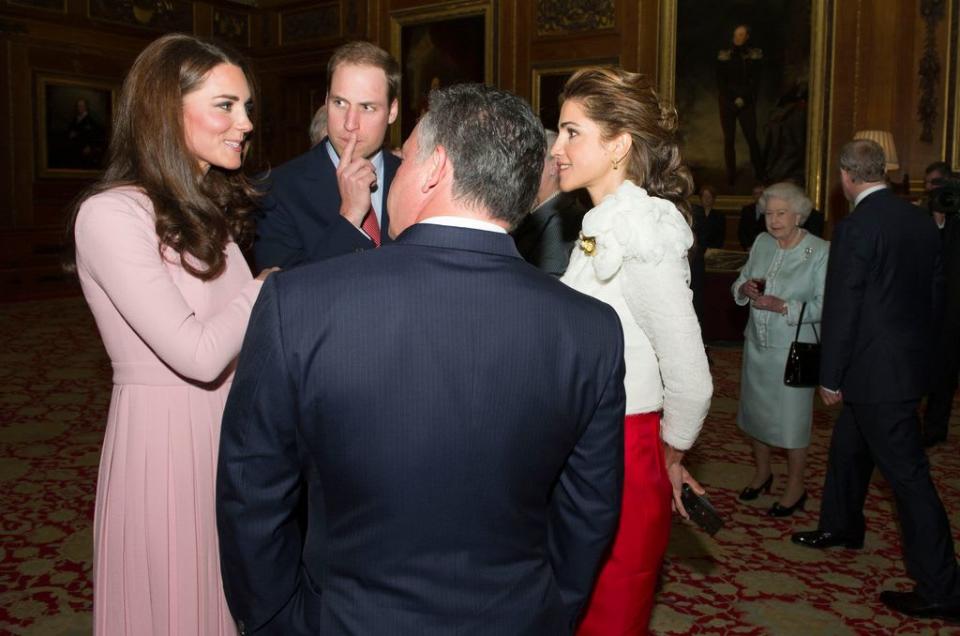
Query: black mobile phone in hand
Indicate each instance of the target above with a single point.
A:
(700, 510)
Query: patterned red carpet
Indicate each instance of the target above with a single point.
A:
(749, 579)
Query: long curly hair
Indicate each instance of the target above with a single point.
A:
(620, 101)
(197, 212)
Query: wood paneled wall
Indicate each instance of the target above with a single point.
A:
(876, 51)
(877, 54)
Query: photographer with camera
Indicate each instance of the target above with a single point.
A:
(943, 201)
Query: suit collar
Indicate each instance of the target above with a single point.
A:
(321, 168)
(538, 219)
(869, 194)
(458, 238)
(534, 223)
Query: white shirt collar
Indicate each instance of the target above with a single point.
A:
(462, 221)
(863, 195)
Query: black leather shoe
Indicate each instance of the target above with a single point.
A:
(776, 510)
(912, 604)
(749, 494)
(825, 539)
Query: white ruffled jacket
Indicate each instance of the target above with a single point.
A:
(639, 267)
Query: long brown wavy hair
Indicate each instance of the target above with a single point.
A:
(197, 212)
(620, 101)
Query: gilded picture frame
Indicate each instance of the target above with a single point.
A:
(951, 129)
(74, 117)
(436, 45)
(677, 15)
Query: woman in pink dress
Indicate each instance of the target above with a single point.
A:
(617, 141)
(171, 295)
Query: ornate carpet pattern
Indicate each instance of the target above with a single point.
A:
(748, 579)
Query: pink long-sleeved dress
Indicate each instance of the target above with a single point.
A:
(172, 340)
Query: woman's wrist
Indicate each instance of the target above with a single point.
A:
(671, 455)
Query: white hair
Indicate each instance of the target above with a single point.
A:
(797, 200)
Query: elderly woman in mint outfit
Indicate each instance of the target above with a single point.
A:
(785, 273)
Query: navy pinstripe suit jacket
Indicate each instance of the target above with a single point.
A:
(457, 416)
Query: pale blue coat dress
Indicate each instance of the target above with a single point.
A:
(770, 411)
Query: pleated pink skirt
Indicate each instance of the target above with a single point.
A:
(156, 569)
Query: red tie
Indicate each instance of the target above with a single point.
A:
(371, 227)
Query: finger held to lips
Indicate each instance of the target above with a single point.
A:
(348, 151)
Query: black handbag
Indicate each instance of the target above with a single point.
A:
(803, 360)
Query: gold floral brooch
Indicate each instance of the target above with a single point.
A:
(588, 244)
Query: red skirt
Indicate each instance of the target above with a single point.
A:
(623, 595)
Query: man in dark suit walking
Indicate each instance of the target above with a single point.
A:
(464, 459)
(882, 301)
(332, 199)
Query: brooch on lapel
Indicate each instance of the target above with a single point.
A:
(807, 253)
(588, 244)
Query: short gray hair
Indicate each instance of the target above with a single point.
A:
(318, 126)
(495, 143)
(797, 200)
(864, 161)
(551, 136)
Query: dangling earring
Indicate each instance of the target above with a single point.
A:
(616, 163)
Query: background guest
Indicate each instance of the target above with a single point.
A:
(751, 223)
(946, 357)
(786, 268)
(618, 141)
(709, 230)
(814, 223)
(709, 225)
(171, 294)
(546, 235)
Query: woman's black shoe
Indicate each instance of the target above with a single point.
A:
(776, 510)
(749, 494)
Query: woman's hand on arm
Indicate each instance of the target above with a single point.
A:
(262, 276)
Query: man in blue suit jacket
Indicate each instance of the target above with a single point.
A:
(323, 203)
(464, 459)
(882, 301)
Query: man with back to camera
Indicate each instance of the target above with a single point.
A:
(331, 200)
(545, 237)
(465, 461)
(876, 362)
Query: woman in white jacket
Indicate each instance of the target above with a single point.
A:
(617, 141)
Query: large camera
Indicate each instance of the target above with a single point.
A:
(945, 197)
